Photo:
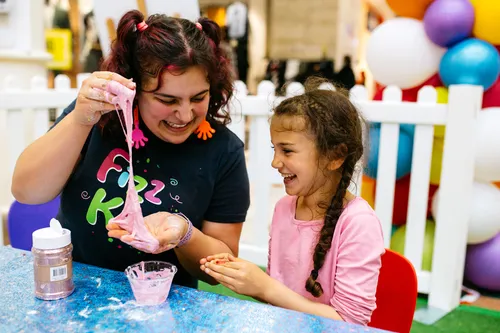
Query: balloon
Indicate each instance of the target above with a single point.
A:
(394, 228)
(401, 197)
(409, 8)
(484, 221)
(434, 81)
(432, 192)
(368, 190)
(442, 98)
(487, 166)
(447, 22)
(491, 97)
(437, 160)
(405, 153)
(408, 95)
(411, 95)
(400, 53)
(482, 264)
(487, 14)
(398, 243)
(471, 61)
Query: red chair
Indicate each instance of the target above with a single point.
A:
(396, 294)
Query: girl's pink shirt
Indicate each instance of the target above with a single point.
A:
(350, 273)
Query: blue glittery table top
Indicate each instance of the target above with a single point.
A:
(103, 302)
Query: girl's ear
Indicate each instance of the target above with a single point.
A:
(335, 164)
(338, 156)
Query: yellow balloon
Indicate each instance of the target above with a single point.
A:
(398, 243)
(437, 160)
(487, 18)
(368, 190)
(442, 98)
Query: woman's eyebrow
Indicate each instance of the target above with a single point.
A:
(171, 96)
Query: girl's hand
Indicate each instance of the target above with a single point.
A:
(167, 228)
(236, 274)
(96, 95)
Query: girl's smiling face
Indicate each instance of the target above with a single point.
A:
(296, 157)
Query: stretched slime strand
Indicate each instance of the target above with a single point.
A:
(131, 219)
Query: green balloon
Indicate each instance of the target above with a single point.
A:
(394, 229)
(398, 243)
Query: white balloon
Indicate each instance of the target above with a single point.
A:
(487, 168)
(484, 222)
(400, 53)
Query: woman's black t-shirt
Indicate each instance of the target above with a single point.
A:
(205, 180)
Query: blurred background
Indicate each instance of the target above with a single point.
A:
(407, 44)
(280, 40)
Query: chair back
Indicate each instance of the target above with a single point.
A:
(396, 295)
(23, 219)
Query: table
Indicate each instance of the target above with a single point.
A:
(103, 302)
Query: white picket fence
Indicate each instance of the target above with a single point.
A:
(24, 117)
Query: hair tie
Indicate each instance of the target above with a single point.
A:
(142, 26)
(314, 274)
(198, 25)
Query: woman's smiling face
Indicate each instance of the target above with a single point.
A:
(175, 111)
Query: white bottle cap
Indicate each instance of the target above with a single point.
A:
(54, 237)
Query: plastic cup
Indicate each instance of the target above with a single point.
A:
(150, 281)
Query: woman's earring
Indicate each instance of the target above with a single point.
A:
(204, 131)
(137, 135)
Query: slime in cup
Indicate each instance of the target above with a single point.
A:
(151, 281)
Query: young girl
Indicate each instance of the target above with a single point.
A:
(325, 243)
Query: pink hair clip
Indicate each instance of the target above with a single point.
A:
(142, 26)
(198, 25)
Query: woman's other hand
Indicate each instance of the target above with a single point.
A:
(167, 228)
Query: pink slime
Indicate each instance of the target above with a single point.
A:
(131, 219)
(150, 288)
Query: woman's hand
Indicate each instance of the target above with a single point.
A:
(167, 228)
(236, 274)
(95, 96)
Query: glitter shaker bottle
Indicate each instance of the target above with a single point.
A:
(53, 262)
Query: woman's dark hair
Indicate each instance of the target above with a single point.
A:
(170, 44)
(338, 131)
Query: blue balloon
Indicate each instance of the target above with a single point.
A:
(472, 61)
(405, 154)
(408, 128)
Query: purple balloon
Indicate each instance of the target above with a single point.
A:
(448, 22)
(482, 264)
